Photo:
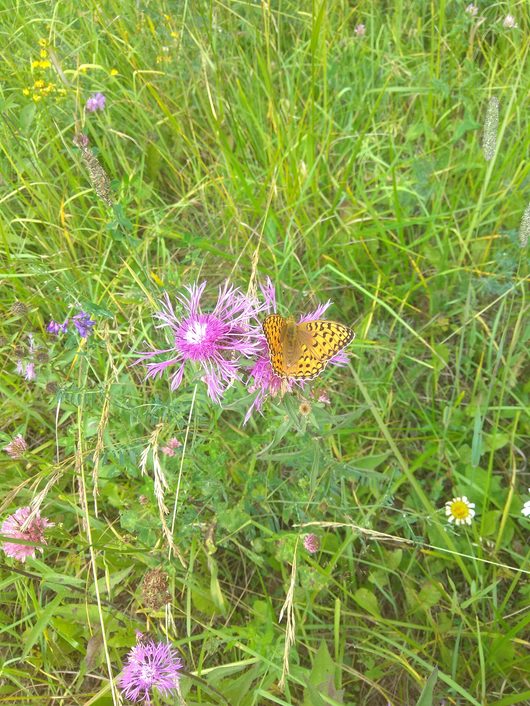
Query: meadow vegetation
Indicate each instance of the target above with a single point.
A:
(337, 149)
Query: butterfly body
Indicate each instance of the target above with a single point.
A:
(302, 351)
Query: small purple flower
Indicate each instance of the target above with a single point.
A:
(17, 447)
(20, 367)
(311, 543)
(20, 526)
(55, 328)
(83, 324)
(216, 341)
(95, 102)
(29, 371)
(150, 665)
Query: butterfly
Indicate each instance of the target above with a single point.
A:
(302, 351)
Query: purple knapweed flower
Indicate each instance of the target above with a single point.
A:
(20, 526)
(311, 543)
(216, 341)
(17, 447)
(55, 328)
(262, 378)
(83, 324)
(95, 102)
(150, 665)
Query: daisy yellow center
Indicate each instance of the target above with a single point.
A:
(196, 332)
(459, 510)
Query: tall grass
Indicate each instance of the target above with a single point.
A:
(245, 140)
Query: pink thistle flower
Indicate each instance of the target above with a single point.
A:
(262, 378)
(312, 543)
(216, 341)
(17, 447)
(150, 665)
(265, 382)
(360, 30)
(95, 102)
(27, 525)
(172, 444)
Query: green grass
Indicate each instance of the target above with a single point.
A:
(248, 139)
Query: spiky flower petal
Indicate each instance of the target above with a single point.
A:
(20, 526)
(215, 341)
(150, 666)
(17, 447)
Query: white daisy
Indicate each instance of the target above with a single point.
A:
(460, 510)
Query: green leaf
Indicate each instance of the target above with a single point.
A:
(215, 586)
(26, 117)
(31, 637)
(367, 600)
(426, 696)
(476, 444)
(429, 595)
(321, 679)
(468, 124)
(490, 523)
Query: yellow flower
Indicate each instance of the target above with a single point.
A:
(36, 97)
(44, 64)
(35, 64)
(43, 42)
(43, 53)
(114, 72)
(175, 35)
(25, 91)
(39, 84)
